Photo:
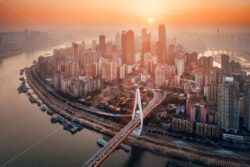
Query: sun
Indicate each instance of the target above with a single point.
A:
(150, 20)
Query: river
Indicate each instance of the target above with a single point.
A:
(28, 139)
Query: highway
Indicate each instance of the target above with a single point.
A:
(105, 151)
(90, 109)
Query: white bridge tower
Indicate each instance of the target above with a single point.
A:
(138, 112)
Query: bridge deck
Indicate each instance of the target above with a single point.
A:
(106, 150)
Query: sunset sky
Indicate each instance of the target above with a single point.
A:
(115, 12)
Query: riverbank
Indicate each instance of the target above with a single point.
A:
(110, 128)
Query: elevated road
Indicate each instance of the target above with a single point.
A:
(105, 151)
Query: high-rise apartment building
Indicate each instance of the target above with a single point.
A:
(206, 61)
(225, 63)
(246, 114)
(75, 55)
(228, 104)
(211, 93)
(102, 45)
(163, 73)
(179, 64)
(145, 44)
(162, 44)
(128, 47)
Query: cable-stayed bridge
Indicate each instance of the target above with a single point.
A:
(137, 119)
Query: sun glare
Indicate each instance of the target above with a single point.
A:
(150, 20)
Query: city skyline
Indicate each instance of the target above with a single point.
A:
(125, 83)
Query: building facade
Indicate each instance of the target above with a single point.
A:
(228, 104)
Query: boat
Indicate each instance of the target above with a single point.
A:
(22, 89)
(43, 108)
(49, 111)
(22, 71)
(32, 100)
(54, 119)
(101, 142)
(22, 79)
(61, 120)
(25, 89)
(39, 102)
(76, 125)
(72, 126)
(66, 126)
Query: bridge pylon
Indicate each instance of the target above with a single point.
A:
(137, 110)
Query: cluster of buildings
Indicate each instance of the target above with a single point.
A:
(217, 99)
(21, 41)
(79, 70)
(219, 96)
(189, 127)
(214, 96)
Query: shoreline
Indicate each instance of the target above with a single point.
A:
(145, 142)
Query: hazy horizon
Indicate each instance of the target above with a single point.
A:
(110, 14)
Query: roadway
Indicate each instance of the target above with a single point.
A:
(105, 151)
(90, 109)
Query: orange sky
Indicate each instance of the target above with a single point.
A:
(115, 12)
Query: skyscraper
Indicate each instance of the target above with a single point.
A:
(171, 54)
(128, 47)
(225, 63)
(228, 104)
(146, 41)
(75, 55)
(145, 45)
(73, 65)
(143, 35)
(247, 106)
(162, 45)
(117, 39)
(131, 47)
(179, 64)
(206, 61)
(163, 73)
(124, 46)
(211, 93)
(102, 45)
(74, 70)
